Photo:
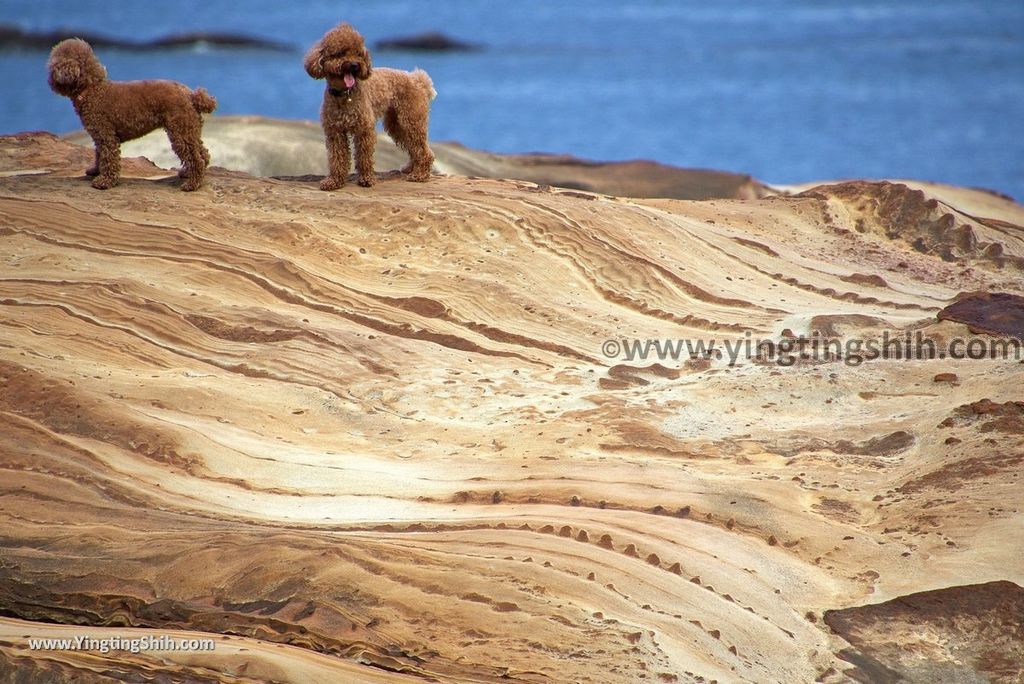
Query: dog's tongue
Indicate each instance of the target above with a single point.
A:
(350, 80)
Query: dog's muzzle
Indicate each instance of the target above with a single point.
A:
(349, 72)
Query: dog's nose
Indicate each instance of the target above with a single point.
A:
(351, 67)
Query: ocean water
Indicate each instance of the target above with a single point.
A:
(787, 90)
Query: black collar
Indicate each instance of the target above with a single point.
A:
(338, 92)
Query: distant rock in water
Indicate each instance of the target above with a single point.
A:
(431, 41)
(230, 40)
(15, 38)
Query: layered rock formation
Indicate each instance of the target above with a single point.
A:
(375, 434)
(960, 634)
(272, 147)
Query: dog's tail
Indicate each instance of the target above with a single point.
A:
(423, 79)
(203, 101)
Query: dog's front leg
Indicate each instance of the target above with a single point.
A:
(108, 162)
(366, 142)
(339, 160)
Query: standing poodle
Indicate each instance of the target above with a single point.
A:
(117, 111)
(357, 96)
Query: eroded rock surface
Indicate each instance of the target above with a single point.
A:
(376, 434)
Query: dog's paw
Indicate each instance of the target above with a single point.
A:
(103, 182)
(367, 181)
(191, 184)
(92, 171)
(331, 183)
(418, 177)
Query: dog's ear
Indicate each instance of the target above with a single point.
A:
(315, 61)
(365, 65)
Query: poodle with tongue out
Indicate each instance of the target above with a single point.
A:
(357, 96)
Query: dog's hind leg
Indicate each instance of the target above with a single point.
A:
(186, 143)
(392, 128)
(185, 172)
(410, 134)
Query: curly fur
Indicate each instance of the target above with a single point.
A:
(350, 110)
(117, 111)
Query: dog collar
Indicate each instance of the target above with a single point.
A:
(338, 92)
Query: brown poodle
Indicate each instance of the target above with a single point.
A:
(116, 111)
(357, 96)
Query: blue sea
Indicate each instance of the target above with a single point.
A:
(787, 90)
